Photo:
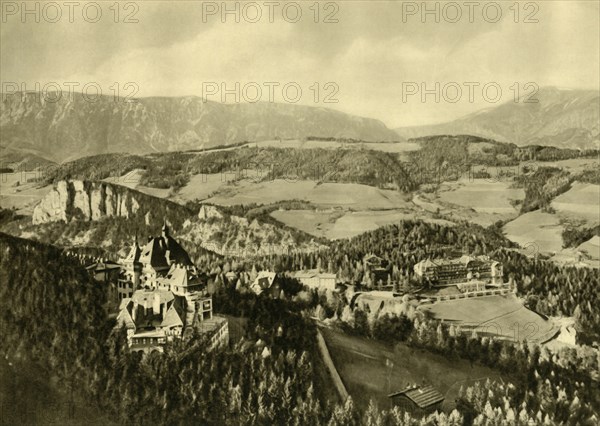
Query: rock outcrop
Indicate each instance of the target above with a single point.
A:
(236, 236)
(84, 200)
(76, 200)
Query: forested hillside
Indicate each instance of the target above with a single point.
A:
(52, 315)
(549, 288)
(542, 186)
(56, 320)
(173, 170)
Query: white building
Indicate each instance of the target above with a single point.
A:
(312, 278)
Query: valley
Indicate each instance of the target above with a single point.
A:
(353, 213)
(335, 202)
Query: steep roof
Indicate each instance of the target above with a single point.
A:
(153, 254)
(372, 259)
(161, 252)
(134, 253)
(177, 254)
(422, 396)
(124, 318)
(263, 281)
(102, 266)
(182, 276)
(310, 273)
(172, 318)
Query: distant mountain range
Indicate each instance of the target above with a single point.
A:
(74, 127)
(562, 117)
(32, 127)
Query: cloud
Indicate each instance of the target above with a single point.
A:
(171, 52)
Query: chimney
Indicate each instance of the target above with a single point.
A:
(156, 305)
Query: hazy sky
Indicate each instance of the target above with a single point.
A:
(372, 54)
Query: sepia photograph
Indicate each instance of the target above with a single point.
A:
(311, 212)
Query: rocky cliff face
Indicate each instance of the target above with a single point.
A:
(85, 201)
(74, 127)
(238, 237)
(76, 200)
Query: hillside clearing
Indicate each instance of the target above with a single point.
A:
(367, 374)
(483, 196)
(582, 201)
(350, 195)
(16, 192)
(337, 224)
(541, 232)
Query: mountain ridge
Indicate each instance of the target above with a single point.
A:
(565, 118)
(74, 127)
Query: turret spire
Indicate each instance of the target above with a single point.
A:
(165, 228)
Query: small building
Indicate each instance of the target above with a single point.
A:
(376, 268)
(104, 271)
(266, 281)
(312, 278)
(418, 399)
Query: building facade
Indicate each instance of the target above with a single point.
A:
(312, 278)
(445, 272)
(163, 297)
(418, 400)
(377, 269)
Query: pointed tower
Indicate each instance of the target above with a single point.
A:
(165, 229)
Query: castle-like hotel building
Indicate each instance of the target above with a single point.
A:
(163, 296)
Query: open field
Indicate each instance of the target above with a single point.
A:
(349, 195)
(201, 187)
(317, 223)
(132, 180)
(586, 254)
(16, 192)
(501, 316)
(575, 165)
(337, 224)
(361, 364)
(480, 201)
(591, 248)
(537, 230)
(582, 201)
(483, 196)
(394, 147)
